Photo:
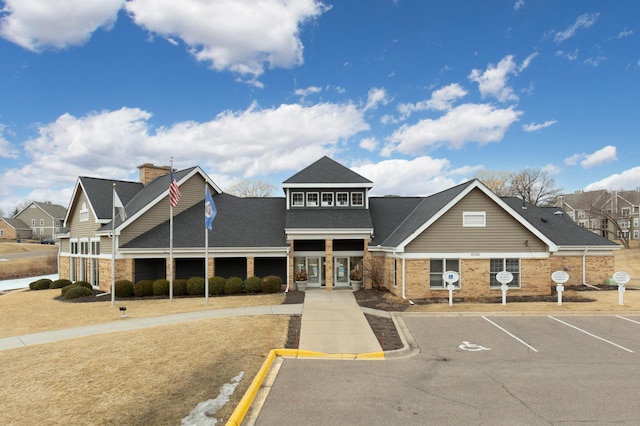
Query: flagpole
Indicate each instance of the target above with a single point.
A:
(206, 252)
(113, 249)
(170, 237)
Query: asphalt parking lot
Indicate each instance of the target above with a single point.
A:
(498, 370)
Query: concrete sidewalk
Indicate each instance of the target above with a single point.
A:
(126, 324)
(333, 323)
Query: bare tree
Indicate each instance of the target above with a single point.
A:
(534, 186)
(496, 181)
(251, 188)
(18, 208)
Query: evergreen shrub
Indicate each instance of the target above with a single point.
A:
(41, 284)
(60, 283)
(84, 284)
(216, 286)
(143, 288)
(180, 287)
(124, 288)
(233, 285)
(76, 291)
(271, 284)
(161, 287)
(253, 285)
(195, 286)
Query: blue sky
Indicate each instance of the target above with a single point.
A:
(415, 95)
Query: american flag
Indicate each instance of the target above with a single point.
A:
(174, 191)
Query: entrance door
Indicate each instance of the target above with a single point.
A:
(314, 271)
(341, 271)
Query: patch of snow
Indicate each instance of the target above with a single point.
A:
(23, 282)
(201, 415)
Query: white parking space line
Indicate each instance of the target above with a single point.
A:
(510, 334)
(591, 334)
(628, 319)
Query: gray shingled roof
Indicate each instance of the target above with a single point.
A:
(239, 222)
(558, 228)
(16, 223)
(100, 194)
(54, 210)
(396, 218)
(326, 170)
(334, 218)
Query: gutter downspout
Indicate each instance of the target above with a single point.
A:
(404, 294)
(584, 270)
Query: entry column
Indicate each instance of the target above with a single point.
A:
(328, 269)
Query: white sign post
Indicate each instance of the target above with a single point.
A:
(560, 277)
(450, 277)
(621, 278)
(504, 278)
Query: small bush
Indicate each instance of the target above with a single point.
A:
(195, 286)
(41, 284)
(60, 283)
(253, 285)
(179, 287)
(77, 291)
(233, 285)
(124, 288)
(32, 285)
(216, 285)
(143, 288)
(271, 284)
(161, 287)
(84, 284)
(66, 288)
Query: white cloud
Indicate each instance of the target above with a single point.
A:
(376, 96)
(572, 56)
(480, 123)
(594, 61)
(624, 33)
(583, 21)
(370, 144)
(627, 180)
(598, 158)
(39, 24)
(308, 91)
(527, 61)
(441, 100)
(241, 36)
(532, 127)
(6, 150)
(245, 143)
(419, 176)
(519, 4)
(493, 81)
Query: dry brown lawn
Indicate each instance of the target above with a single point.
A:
(27, 267)
(11, 247)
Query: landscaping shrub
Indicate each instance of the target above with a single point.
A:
(124, 288)
(41, 284)
(179, 287)
(161, 287)
(195, 286)
(233, 285)
(84, 284)
(253, 285)
(143, 288)
(66, 288)
(216, 285)
(271, 284)
(60, 283)
(75, 291)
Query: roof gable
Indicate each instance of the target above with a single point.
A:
(326, 171)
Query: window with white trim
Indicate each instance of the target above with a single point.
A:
(95, 247)
(635, 235)
(342, 199)
(84, 247)
(1, 232)
(510, 265)
(74, 247)
(84, 213)
(474, 219)
(327, 199)
(297, 199)
(41, 222)
(33, 222)
(437, 267)
(312, 199)
(41, 231)
(357, 199)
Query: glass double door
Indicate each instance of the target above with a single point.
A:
(341, 271)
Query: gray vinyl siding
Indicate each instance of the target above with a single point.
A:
(35, 212)
(82, 229)
(65, 245)
(502, 232)
(191, 192)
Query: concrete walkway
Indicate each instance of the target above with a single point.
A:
(333, 323)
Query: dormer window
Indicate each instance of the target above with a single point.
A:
(297, 199)
(327, 199)
(342, 199)
(312, 199)
(84, 213)
(357, 199)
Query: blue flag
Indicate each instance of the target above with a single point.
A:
(209, 210)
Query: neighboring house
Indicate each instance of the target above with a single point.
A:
(612, 214)
(14, 229)
(328, 224)
(44, 219)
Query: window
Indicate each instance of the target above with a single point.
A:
(342, 199)
(474, 219)
(95, 247)
(297, 199)
(312, 199)
(33, 222)
(41, 231)
(357, 199)
(635, 222)
(41, 222)
(625, 211)
(74, 247)
(635, 235)
(581, 214)
(1, 232)
(327, 199)
(84, 247)
(84, 213)
(511, 265)
(439, 266)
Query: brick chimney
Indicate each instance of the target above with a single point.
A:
(148, 172)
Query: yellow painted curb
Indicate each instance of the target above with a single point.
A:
(237, 417)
